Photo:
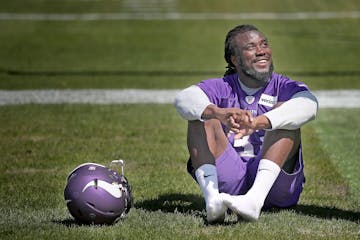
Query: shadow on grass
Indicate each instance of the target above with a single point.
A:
(180, 203)
(327, 212)
(175, 202)
(170, 203)
(189, 203)
(194, 205)
(69, 222)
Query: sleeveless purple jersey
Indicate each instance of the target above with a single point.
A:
(226, 92)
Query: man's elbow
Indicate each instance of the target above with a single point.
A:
(313, 107)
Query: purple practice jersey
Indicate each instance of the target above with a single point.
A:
(226, 92)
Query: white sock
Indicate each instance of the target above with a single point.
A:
(249, 205)
(206, 176)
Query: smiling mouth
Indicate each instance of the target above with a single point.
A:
(262, 64)
(261, 60)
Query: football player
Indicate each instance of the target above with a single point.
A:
(244, 131)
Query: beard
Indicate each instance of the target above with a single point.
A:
(261, 77)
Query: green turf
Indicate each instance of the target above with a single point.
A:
(339, 133)
(41, 144)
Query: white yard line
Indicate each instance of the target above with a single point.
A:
(91, 96)
(326, 98)
(338, 98)
(178, 16)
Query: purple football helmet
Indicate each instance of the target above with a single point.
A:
(96, 194)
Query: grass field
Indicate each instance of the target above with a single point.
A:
(41, 144)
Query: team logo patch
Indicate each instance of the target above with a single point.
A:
(268, 100)
(250, 99)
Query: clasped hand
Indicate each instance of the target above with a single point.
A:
(241, 122)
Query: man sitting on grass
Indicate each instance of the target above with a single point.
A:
(244, 131)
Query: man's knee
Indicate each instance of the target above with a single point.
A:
(206, 140)
(282, 146)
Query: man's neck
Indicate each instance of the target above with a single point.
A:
(248, 90)
(250, 82)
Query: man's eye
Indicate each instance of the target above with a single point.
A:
(250, 47)
(265, 44)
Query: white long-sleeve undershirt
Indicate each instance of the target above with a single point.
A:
(292, 114)
(191, 103)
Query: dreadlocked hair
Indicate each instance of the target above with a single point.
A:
(230, 46)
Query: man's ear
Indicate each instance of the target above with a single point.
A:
(233, 60)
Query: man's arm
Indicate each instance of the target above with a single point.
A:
(294, 113)
(289, 115)
(193, 104)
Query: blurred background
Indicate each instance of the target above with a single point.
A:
(170, 43)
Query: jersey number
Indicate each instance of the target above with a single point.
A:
(246, 145)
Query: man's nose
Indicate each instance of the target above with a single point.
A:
(259, 51)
